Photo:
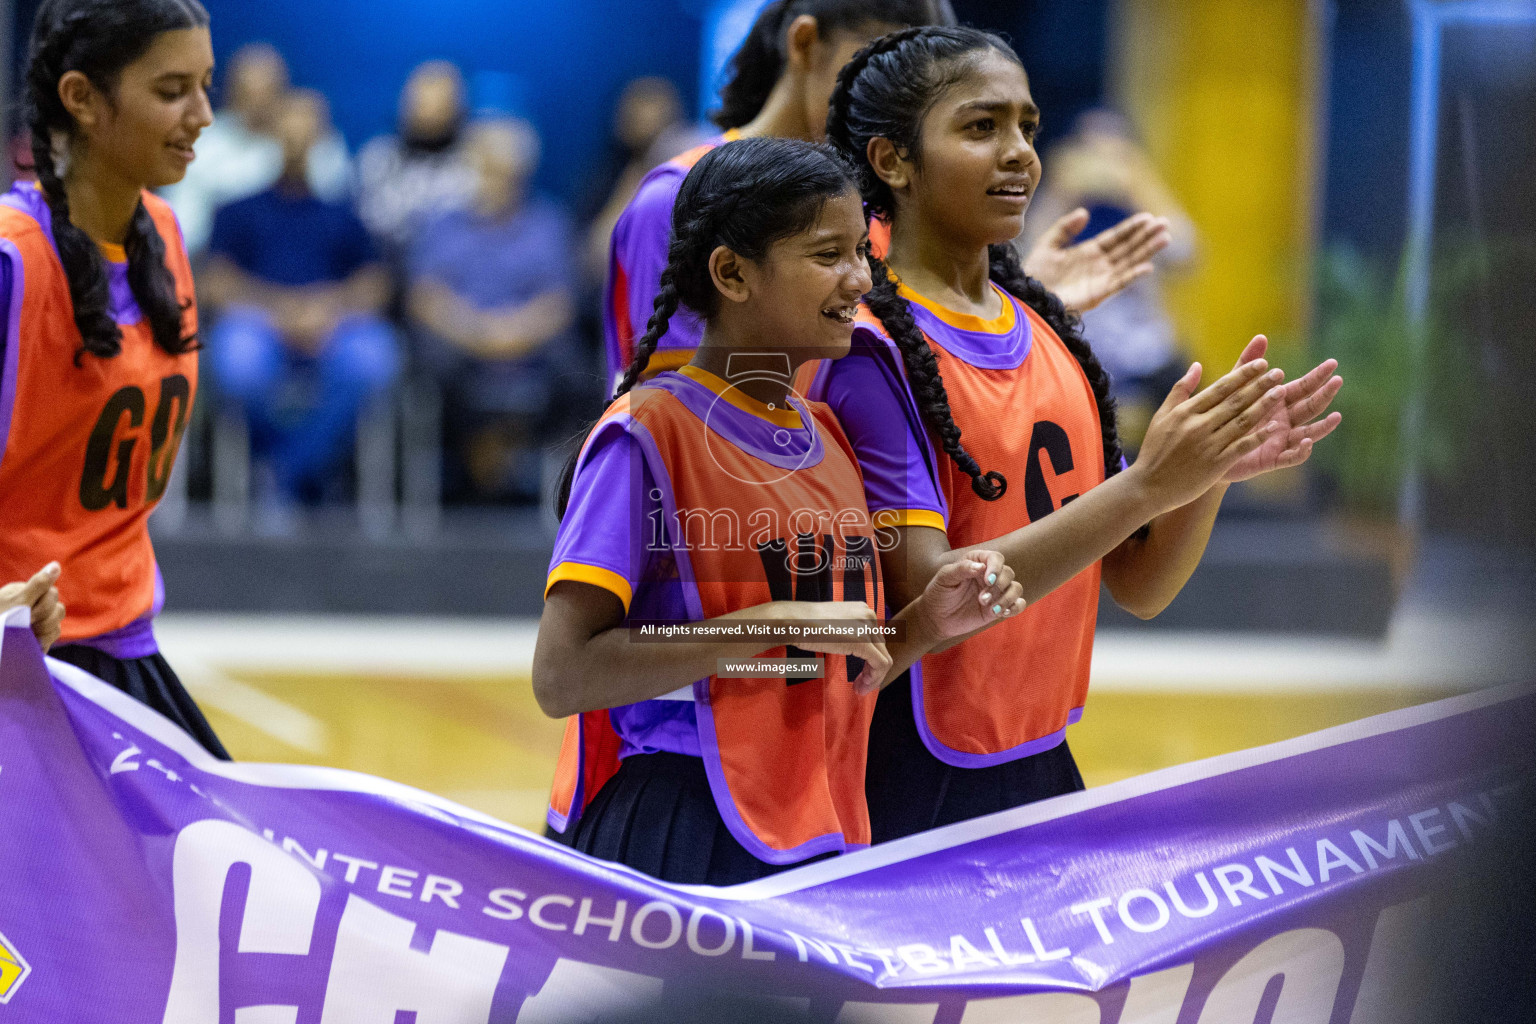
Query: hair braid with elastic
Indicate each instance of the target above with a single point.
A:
(924, 379)
(1008, 273)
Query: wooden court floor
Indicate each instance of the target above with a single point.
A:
(481, 739)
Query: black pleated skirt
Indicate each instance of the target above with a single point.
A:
(658, 815)
(150, 681)
(909, 790)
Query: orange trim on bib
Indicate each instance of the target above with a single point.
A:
(1000, 324)
(786, 417)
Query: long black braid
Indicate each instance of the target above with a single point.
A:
(746, 196)
(924, 379)
(661, 314)
(99, 38)
(1008, 273)
(884, 92)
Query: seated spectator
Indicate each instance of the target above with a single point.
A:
(406, 179)
(490, 297)
(238, 155)
(300, 286)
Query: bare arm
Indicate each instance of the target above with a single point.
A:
(584, 658)
(1145, 574)
(1192, 443)
(1043, 555)
(366, 291)
(435, 307)
(304, 314)
(223, 283)
(515, 330)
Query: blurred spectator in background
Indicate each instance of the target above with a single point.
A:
(491, 299)
(238, 155)
(1100, 168)
(405, 179)
(648, 128)
(300, 287)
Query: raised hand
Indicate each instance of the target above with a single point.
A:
(971, 592)
(1085, 274)
(39, 594)
(1296, 414)
(1195, 439)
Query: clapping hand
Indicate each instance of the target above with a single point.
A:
(1085, 274)
(1294, 415)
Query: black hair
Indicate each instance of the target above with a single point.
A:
(99, 38)
(746, 196)
(884, 92)
(759, 61)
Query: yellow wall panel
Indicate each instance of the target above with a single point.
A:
(1222, 92)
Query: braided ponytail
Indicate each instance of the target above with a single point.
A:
(661, 314)
(844, 132)
(923, 377)
(1008, 273)
(99, 38)
(883, 92)
(84, 268)
(153, 287)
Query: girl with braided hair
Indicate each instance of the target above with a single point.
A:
(98, 361)
(711, 495)
(1012, 443)
(781, 79)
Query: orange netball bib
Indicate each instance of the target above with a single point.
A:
(88, 447)
(1025, 409)
(756, 511)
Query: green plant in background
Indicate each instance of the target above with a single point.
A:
(1362, 322)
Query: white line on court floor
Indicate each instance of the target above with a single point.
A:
(255, 707)
(1422, 650)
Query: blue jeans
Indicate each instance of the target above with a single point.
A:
(253, 367)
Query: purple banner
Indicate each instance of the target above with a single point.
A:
(144, 881)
